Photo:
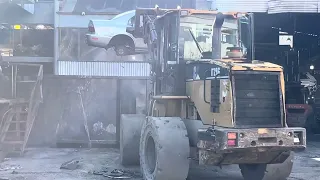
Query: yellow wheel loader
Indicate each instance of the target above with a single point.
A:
(210, 101)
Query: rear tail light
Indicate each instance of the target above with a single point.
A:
(231, 142)
(232, 139)
(232, 136)
(91, 27)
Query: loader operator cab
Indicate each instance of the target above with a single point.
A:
(196, 30)
(195, 36)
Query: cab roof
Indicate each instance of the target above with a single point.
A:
(191, 11)
(243, 65)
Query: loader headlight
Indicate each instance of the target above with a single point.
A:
(311, 67)
(298, 138)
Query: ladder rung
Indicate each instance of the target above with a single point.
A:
(13, 142)
(15, 131)
(20, 112)
(27, 81)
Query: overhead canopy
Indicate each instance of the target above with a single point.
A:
(269, 6)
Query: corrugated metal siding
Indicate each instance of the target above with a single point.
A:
(103, 69)
(303, 6)
(270, 6)
(242, 5)
(203, 4)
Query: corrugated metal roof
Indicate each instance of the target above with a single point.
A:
(302, 6)
(103, 69)
(78, 21)
(242, 5)
(270, 6)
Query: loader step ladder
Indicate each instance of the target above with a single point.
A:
(17, 120)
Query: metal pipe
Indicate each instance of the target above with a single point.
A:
(216, 36)
(118, 109)
(252, 36)
(14, 71)
(251, 49)
(56, 36)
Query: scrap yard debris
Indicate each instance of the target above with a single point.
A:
(6, 167)
(118, 174)
(70, 165)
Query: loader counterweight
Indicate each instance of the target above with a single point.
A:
(248, 146)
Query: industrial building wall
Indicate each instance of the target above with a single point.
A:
(270, 6)
(70, 104)
(15, 14)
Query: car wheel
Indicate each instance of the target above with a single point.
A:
(123, 50)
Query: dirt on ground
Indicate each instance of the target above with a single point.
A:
(102, 164)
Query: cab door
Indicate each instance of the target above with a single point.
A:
(140, 46)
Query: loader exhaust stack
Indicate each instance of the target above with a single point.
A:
(216, 36)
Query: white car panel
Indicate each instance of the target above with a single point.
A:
(105, 30)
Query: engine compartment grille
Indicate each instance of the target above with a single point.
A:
(257, 101)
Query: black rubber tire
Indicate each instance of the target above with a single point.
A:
(312, 125)
(280, 171)
(253, 171)
(123, 50)
(192, 128)
(130, 130)
(164, 149)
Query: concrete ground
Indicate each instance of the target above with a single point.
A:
(44, 164)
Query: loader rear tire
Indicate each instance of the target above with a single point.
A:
(268, 172)
(130, 130)
(253, 171)
(280, 171)
(164, 149)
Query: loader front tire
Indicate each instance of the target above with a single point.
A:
(130, 130)
(164, 149)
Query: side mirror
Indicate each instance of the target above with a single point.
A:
(130, 30)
